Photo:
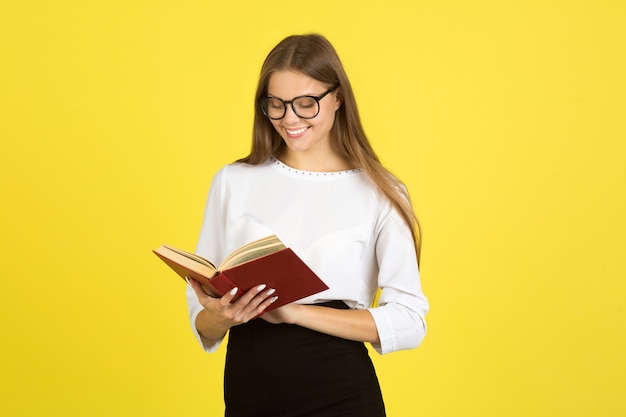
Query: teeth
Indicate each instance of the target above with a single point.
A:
(296, 132)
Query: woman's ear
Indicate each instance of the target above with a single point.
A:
(338, 98)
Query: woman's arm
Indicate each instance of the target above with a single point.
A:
(356, 325)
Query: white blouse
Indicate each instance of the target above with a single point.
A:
(341, 227)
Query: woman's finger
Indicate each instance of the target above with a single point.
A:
(253, 302)
(228, 297)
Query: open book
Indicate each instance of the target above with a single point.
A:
(264, 261)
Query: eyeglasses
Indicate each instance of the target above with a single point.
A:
(305, 107)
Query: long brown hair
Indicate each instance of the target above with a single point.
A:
(314, 56)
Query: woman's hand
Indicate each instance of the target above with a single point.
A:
(220, 314)
(284, 314)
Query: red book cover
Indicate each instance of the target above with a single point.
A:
(283, 270)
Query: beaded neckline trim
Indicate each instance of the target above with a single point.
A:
(291, 170)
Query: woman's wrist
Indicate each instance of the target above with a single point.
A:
(207, 329)
(296, 314)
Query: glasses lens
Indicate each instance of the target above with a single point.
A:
(306, 107)
(273, 108)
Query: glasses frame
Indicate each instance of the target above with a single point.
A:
(263, 103)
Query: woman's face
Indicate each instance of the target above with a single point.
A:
(303, 137)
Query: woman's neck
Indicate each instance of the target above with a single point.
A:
(323, 162)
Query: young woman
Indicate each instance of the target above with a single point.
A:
(313, 179)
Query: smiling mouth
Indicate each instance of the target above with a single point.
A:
(297, 131)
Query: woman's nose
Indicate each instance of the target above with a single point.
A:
(290, 115)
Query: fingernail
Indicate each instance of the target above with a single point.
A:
(274, 299)
(187, 279)
(261, 287)
(234, 291)
(272, 291)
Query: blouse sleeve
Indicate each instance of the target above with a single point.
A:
(210, 246)
(402, 307)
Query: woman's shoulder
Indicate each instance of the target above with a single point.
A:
(236, 170)
(243, 167)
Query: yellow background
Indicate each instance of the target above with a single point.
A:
(506, 119)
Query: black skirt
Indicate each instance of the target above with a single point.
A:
(283, 370)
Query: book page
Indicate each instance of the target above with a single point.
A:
(253, 250)
(191, 256)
